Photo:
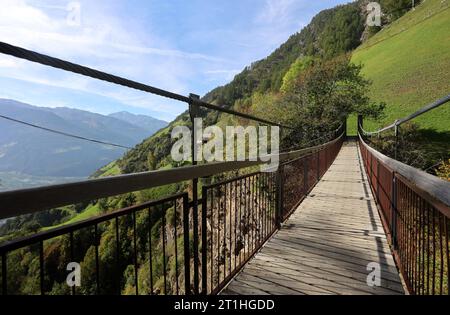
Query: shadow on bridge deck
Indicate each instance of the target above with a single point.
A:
(326, 245)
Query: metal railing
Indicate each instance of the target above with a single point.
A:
(396, 124)
(235, 218)
(240, 215)
(179, 243)
(415, 211)
(84, 236)
(192, 99)
(300, 175)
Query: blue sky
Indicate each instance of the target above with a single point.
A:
(186, 46)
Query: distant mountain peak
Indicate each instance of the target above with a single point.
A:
(143, 121)
(41, 153)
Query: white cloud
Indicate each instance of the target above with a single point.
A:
(276, 11)
(111, 41)
(102, 42)
(7, 62)
(223, 74)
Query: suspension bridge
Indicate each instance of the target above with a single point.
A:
(333, 219)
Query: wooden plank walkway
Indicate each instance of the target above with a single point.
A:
(327, 244)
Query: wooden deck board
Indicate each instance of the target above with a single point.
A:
(327, 243)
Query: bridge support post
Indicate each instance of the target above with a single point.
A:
(187, 259)
(194, 113)
(396, 130)
(204, 242)
(305, 176)
(360, 122)
(279, 197)
(318, 165)
(344, 126)
(394, 212)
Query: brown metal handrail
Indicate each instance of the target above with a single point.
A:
(415, 211)
(23, 201)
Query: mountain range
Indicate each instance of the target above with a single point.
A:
(36, 152)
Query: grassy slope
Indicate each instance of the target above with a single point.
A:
(409, 64)
(90, 211)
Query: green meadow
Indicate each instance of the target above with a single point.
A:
(408, 63)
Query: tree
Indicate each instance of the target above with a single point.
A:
(394, 9)
(151, 161)
(323, 96)
(127, 200)
(443, 171)
(300, 65)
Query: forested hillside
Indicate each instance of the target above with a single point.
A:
(330, 33)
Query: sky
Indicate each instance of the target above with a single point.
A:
(184, 46)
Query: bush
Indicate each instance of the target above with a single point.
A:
(443, 171)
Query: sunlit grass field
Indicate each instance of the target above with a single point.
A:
(408, 63)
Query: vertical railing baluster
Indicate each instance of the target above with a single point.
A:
(405, 230)
(318, 166)
(235, 223)
(150, 259)
(268, 202)
(186, 246)
(256, 212)
(72, 256)
(135, 255)
(41, 267)
(97, 264)
(204, 240)
(415, 249)
(118, 272)
(219, 206)
(279, 197)
(427, 211)
(447, 241)
(378, 182)
(164, 212)
(241, 233)
(224, 240)
(259, 225)
(246, 248)
(422, 250)
(211, 253)
(195, 236)
(231, 226)
(305, 176)
(441, 251)
(4, 274)
(409, 252)
(175, 236)
(252, 214)
(194, 113)
(394, 211)
(265, 211)
(433, 277)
